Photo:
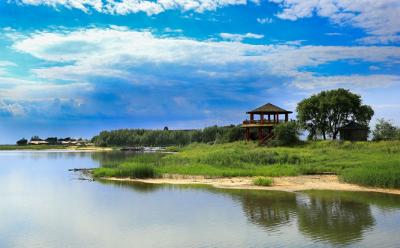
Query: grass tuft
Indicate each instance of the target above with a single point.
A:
(263, 181)
(131, 171)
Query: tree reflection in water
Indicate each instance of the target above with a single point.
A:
(267, 209)
(333, 217)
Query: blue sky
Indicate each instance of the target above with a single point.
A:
(76, 67)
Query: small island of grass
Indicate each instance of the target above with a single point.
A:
(366, 163)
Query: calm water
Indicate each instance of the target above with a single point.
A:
(44, 205)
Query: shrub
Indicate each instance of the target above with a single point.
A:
(263, 181)
(22, 142)
(287, 133)
(385, 130)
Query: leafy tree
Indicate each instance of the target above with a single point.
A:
(324, 113)
(385, 130)
(22, 142)
(35, 138)
(287, 133)
(52, 140)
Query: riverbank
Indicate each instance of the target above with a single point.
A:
(288, 184)
(374, 164)
(52, 147)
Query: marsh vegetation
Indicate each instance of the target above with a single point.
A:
(365, 163)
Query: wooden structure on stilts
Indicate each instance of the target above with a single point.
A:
(268, 118)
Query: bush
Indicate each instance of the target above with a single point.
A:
(287, 134)
(385, 130)
(262, 181)
(22, 142)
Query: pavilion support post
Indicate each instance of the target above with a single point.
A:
(262, 118)
(251, 118)
(247, 134)
(269, 117)
(260, 135)
(277, 118)
(286, 117)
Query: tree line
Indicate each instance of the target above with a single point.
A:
(321, 115)
(143, 137)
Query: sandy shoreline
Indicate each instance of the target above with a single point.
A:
(289, 184)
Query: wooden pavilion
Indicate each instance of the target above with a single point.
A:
(268, 117)
(354, 131)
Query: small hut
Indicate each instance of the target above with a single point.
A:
(354, 132)
(269, 117)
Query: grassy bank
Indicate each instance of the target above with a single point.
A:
(366, 163)
(48, 147)
(31, 147)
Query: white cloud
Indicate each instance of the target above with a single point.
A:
(4, 64)
(379, 18)
(84, 5)
(27, 90)
(373, 68)
(380, 39)
(264, 20)
(310, 82)
(142, 58)
(240, 37)
(124, 7)
(171, 30)
(333, 34)
(13, 109)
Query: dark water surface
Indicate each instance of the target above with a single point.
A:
(44, 205)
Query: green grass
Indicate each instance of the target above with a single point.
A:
(131, 171)
(263, 181)
(385, 175)
(31, 147)
(366, 163)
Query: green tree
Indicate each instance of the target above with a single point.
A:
(22, 142)
(287, 133)
(35, 138)
(324, 113)
(385, 130)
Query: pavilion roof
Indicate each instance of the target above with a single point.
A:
(269, 108)
(353, 126)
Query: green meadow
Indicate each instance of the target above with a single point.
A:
(366, 163)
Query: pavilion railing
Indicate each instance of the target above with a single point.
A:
(262, 121)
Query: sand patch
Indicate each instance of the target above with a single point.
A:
(290, 184)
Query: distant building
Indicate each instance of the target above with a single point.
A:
(354, 132)
(72, 142)
(38, 142)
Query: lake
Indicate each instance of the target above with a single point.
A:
(42, 204)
